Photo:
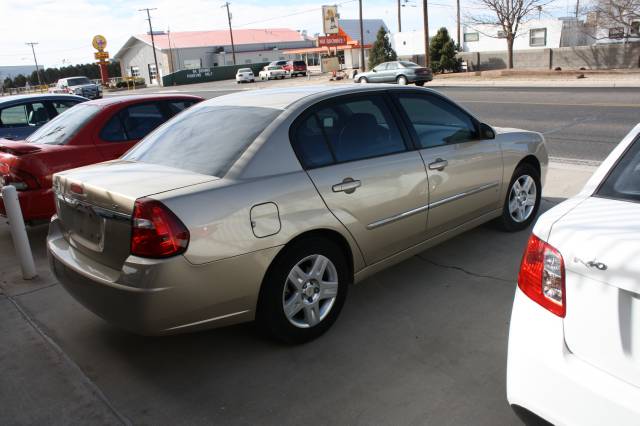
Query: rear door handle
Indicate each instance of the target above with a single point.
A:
(439, 164)
(348, 186)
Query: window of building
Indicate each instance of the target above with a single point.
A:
(135, 71)
(469, 37)
(247, 61)
(538, 37)
(635, 28)
(616, 33)
(192, 64)
(153, 73)
(502, 34)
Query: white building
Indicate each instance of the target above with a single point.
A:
(205, 49)
(534, 34)
(609, 32)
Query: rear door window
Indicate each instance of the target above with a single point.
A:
(623, 181)
(179, 106)
(62, 106)
(14, 116)
(140, 119)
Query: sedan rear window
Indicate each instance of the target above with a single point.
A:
(623, 182)
(78, 81)
(204, 139)
(60, 130)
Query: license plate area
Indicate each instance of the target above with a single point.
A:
(82, 224)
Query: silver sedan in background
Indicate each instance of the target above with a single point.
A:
(400, 72)
(268, 204)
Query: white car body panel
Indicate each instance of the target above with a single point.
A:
(584, 369)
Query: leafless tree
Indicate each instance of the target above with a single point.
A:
(508, 15)
(622, 14)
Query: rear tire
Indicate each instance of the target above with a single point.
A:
(402, 80)
(312, 300)
(420, 83)
(522, 201)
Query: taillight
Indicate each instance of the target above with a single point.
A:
(156, 231)
(542, 276)
(20, 179)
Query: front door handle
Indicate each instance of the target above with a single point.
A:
(348, 186)
(439, 164)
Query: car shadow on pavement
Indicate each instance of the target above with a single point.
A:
(423, 342)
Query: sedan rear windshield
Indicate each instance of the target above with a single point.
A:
(408, 64)
(78, 81)
(244, 70)
(623, 182)
(204, 139)
(62, 128)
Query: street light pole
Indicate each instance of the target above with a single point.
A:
(425, 18)
(362, 66)
(399, 17)
(233, 47)
(458, 22)
(31, 43)
(153, 45)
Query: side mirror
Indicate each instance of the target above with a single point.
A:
(486, 132)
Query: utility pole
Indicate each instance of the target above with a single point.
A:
(458, 22)
(233, 47)
(577, 9)
(399, 17)
(31, 43)
(425, 18)
(153, 44)
(362, 65)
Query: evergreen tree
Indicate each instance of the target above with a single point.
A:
(8, 83)
(381, 50)
(442, 52)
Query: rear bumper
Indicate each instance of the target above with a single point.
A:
(161, 296)
(35, 204)
(544, 377)
(417, 78)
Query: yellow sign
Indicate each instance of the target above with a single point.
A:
(330, 19)
(99, 43)
(101, 55)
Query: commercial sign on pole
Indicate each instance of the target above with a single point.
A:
(100, 43)
(330, 19)
(337, 40)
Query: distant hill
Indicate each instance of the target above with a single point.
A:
(13, 70)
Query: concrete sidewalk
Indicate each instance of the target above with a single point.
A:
(422, 342)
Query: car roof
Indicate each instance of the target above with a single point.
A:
(114, 100)
(281, 98)
(6, 100)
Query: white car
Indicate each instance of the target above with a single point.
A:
(244, 75)
(574, 339)
(272, 72)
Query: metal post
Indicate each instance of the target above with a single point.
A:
(458, 22)
(362, 65)
(233, 47)
(35, 60)
(399, 17)
(153, 45)
(18, 232)
(425, 18)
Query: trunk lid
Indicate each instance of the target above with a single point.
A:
(95, 203)
(18, 148)
(600, 243)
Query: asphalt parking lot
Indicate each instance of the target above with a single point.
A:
(423, 342)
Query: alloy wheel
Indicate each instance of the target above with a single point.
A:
(522, 198)
(310, 291)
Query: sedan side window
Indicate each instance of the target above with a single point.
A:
(347, 130)
(437, 122)
(381, 67)
(14, 116)
(37, 114)
(113, 131)
(139, 120)
(62, 106)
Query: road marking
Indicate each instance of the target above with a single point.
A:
(575, 122)
(551, 104)
(575, 161)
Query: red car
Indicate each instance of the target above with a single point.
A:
(88, 133)
(295, 68)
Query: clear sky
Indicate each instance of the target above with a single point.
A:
(64, 28)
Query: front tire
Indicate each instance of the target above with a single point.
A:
(363, 80)
(522, 201)
(304, 290)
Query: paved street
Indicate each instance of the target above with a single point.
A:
(423, 342)
(582, 123)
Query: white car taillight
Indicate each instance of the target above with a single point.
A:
(542, 276)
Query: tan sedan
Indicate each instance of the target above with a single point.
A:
(268, 204)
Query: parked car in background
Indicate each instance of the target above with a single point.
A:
(280, 63)
(21, 115)
(400, 72)
(80, 86)
(88, 133)
(296, 68)
(574, 339)
(301, 192)
(272, 72)
(245, 75)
